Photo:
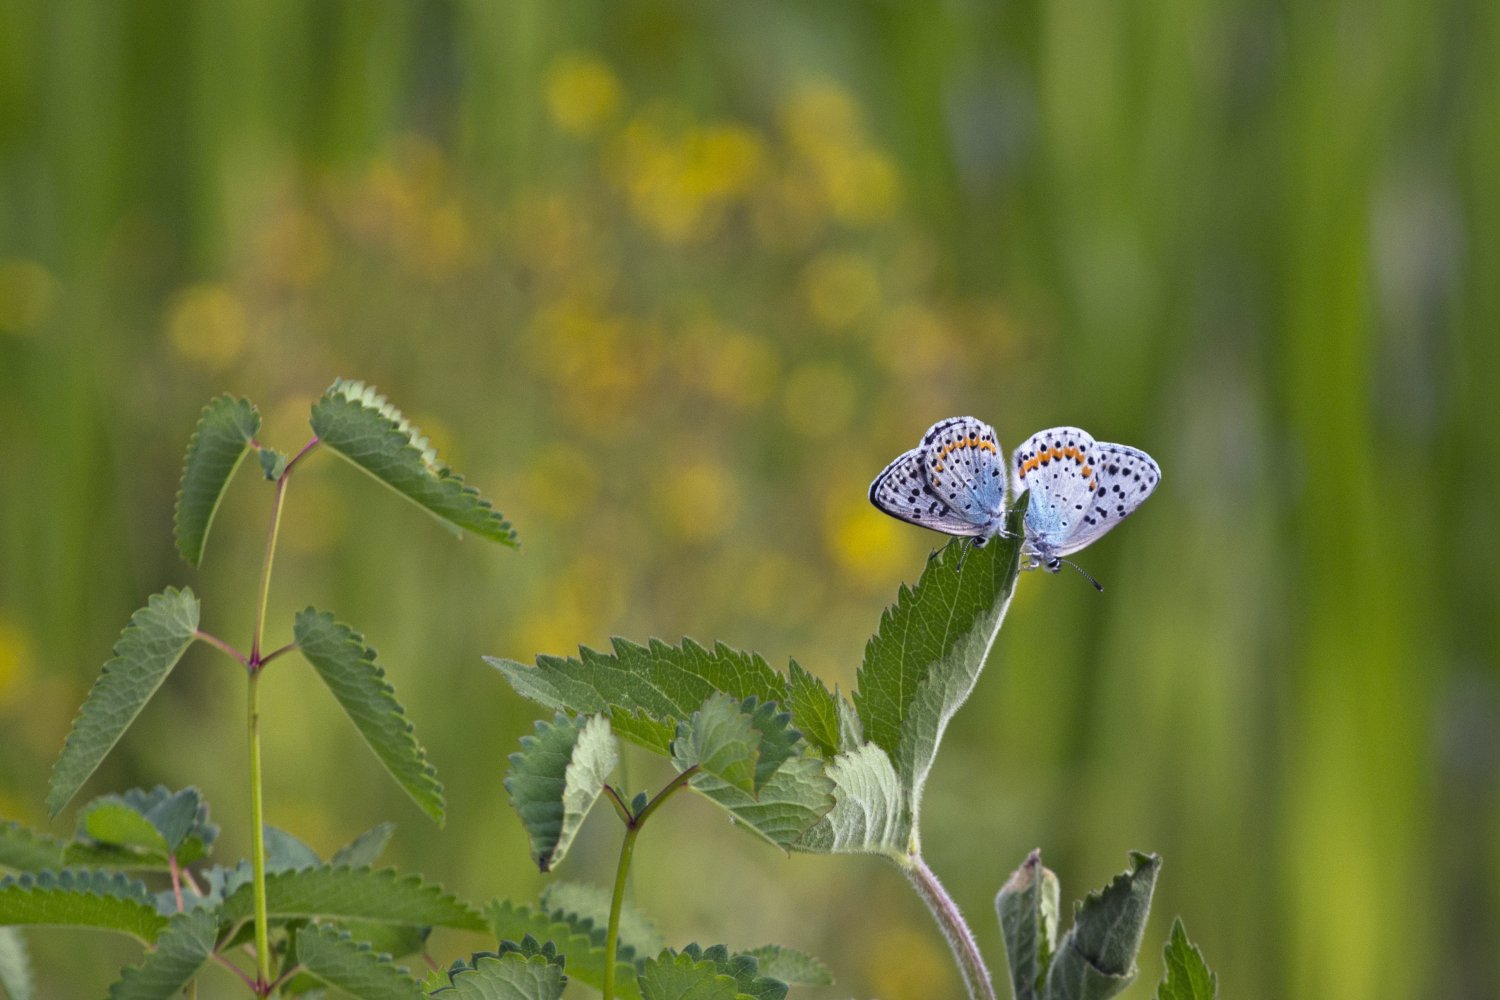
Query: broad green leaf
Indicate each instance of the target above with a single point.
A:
(384, 896)
(1028, 909)
(334, 958)
(720, 740)
(555, 779)
(218, 444)
(285, 853)
(791, 966)
(362, 426)
(1096, 958)
(681, 977)
(926, 656)
(27, 850)
(181, 950)
(1187, 976)
(15, 966)
(150, 646)
(141, 829)
(797, 796)
(348, 667)
(364, 849)
(869, 813)
(525, 972)
(646, 690)
(396, 940)
(582, 901)
(743, 968)
(815, 711)
(105, 901)
(579, 940)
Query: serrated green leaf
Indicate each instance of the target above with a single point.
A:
(396, 940)
(110, 821)
(815, 710)
(146, 652)
(555, 779)
(926, 656)
(720, 740)
(141, 829)
(181, 950)
(1187, 975)
(579, 940)
(218, 444)
(363, 427)
(673, 976)
(384, 896)
(510, 975)
(646, 690)
(334, 958)
(285, 852)
(15, 966)
(80, 898)
(869, 814)
(1028, 909)
(791, 966)
(348, 667)
(797, 796)
(743, 968)
(1096, 958)
(272, 463)
(27, 850)
(364, 849)
(582, 901)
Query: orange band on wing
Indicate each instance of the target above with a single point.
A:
(961, 443)
(1058, 454)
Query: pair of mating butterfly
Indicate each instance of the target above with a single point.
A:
(955, 482)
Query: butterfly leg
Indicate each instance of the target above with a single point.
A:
(939, 551)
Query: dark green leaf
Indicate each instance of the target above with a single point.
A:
(27, 850)
(1187, 976)
(334, 958)
(362, 426)
(140, 829)
(79, 898)
(719, 740)
(743, 968)
(680, 977)
(555, 779)
(150, 646)
(348, 667)
(1096, 958)
(181, 950)
(219, 442)
(1028, 909)
(525, 972)
(815, 712)
(384, 896)
(580, 940)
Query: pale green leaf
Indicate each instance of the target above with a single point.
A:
(1028, 908)
(869, 813)
(140, 829)
(16, 981)
(1187, 976)
(926, 656)
(384, 896)
(80, 898)
(815, 710)
(366, 848)
(348, 667)
(555, 779)
(786, 808)
(527, 971)
(272, 463)
(27, 850)
(791, 966)
(579, 940)
(180, 951)
(218, 444)
(719, 740)
(647, 689)
(362, 426)
(285, 852)
(1096, 958)
(150, 646)
(675, 976)
(333, 957)
(583, 901)
(396, 940)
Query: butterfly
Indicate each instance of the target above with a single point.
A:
(955, 482)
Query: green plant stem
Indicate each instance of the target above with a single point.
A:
(960, 938)
(622, 872)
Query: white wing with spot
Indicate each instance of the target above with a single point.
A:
(1080, 488)
(901, 490)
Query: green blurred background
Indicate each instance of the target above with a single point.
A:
(671, 282)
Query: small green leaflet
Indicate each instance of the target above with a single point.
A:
(385, 896)
(366, 848)
(578, 938)
(142, 829)
(146, 652)
(1028, 909)
(695, 974)
(106, 901)
(27, 850)
(1188, 976)
(743, 968)
(15, 966)
(719, 739)
(181, 950)
(362, 426)
(525, 971)
(218, 444)
(333, 957)
(815, 710)
(347, 666)
(555, 779)
(1096, 958)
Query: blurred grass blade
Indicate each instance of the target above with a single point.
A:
(362, 426)
(384, 896)
(926, 656)
(218, 445)
(27, 850)
(16, 981)
(150, 646)
(334, 958)
(869, 814)
(105, 901)
(1028, 909)
(555, 779)
(1188, 976)
(791, 966)
(181, 950)
(528, 971)
(1096, 958)
(348, 667)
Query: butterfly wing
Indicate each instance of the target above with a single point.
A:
(1126, 476)
(1080, 488)
(901, 490)
(964, 466)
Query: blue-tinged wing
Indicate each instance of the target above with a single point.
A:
(901, 490)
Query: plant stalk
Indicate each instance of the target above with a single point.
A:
(960, 938)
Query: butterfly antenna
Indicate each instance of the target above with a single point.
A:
(940, 549)
(1097, 585)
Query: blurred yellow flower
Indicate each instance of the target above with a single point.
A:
(818, 114)
(207, 324)
(16, 665)
(679, 180)
(819, 399)
(913, 341)
(736, 368)
(839, 288)
(563, 481)
(582, 93)
(28, 294)
(696, 498)
(293, 248)
(911, 964)
(862, 186)
(870, 548)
